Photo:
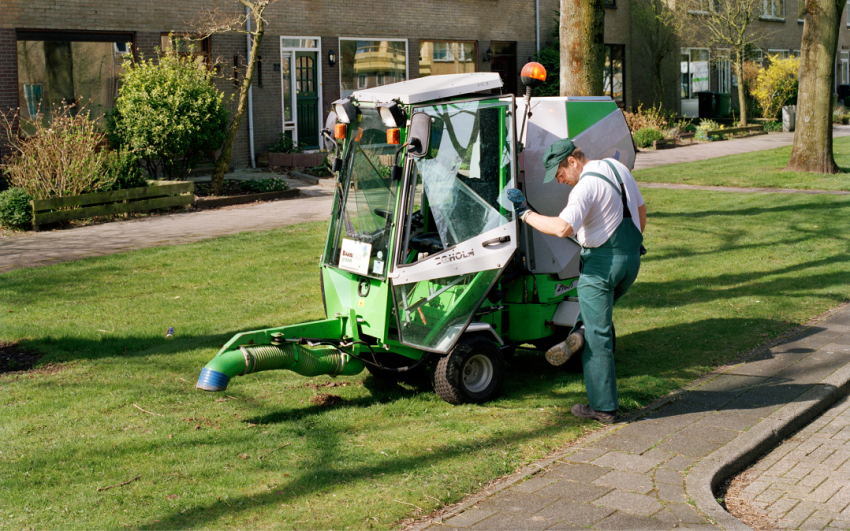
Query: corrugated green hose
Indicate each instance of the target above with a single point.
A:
(306, 361)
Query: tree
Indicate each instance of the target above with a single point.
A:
(660, 23)
(729, 24)
(812, 149)
(253, 24)
(582, 36)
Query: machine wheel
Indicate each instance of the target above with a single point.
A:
(472, 372)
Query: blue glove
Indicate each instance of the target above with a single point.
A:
(520, 204)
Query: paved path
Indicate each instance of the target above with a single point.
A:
(44, 248)
(657, 471)
(805, 482)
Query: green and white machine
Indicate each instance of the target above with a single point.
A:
(426, 264)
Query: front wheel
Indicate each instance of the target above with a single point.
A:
(472, 372)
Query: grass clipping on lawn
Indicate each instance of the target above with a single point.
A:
(725, 273)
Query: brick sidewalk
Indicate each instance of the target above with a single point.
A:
(805, 482)
(658, 471)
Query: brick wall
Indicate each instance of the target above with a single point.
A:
(8, 77)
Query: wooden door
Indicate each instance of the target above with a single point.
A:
(307, 98)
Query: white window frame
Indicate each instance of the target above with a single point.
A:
(724, 70)
(769, 4)
(847, 10)
(406, 52)
(795, 53)
(702, 3)
(844, 67)
(292, 125)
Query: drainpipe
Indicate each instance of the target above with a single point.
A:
(537, 22)
(250, 92)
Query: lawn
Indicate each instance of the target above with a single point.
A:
(758, 169)
(114, 400)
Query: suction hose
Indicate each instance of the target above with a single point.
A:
(313, 361)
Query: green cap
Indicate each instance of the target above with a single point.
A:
(554, 155)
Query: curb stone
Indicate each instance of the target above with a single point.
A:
(709, 474)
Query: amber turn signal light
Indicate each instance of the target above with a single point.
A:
(339, 131)
(394, 136)
(533, 75)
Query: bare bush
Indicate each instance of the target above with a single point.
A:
(62, 158)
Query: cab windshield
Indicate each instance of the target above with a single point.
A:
(361, 221)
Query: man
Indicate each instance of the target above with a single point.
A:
(607, 215)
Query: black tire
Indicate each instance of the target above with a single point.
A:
(393, 361)
(472, 372)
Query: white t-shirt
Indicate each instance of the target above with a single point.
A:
(594, 209)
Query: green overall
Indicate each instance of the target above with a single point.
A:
(607, 272)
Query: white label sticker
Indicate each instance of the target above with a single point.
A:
(354, 256)
(378, 267)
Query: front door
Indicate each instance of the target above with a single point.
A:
(307, 98)
(456, 229)
(503, 61)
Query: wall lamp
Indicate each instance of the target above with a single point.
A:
(488, 55)
(331, 57)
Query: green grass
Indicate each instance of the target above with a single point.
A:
(757, 169)
(724, 273)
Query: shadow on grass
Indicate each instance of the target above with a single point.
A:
(686, 354)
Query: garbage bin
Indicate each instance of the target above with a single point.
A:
(723, 108)
(843, 91)
(706, 104)
(789, 118)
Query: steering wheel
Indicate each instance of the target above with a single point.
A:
(384, 213)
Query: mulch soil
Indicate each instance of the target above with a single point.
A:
(15, 359)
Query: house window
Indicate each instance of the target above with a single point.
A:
(724, 71)
(702, 6)
(774, 9)
(613, 77)
(695, 72)
(844, 65)
(795, 53)
(71, 68)
(611, 4)
(187, 45)
(362, 61)
(447, 57)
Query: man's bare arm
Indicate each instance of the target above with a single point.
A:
(550, 225)
(642, 216)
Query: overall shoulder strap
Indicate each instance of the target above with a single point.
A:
(594, 174)
(626, 212)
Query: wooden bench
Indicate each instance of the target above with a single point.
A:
(754, 129)
(153, 197)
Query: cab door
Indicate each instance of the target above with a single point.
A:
(457, 230)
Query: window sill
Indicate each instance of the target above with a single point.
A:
(772, 19)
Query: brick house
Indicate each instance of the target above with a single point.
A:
(315, 51)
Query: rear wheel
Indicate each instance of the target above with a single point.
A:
(472, 372)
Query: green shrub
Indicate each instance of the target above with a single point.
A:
(272, 184)
(704, 126)
(772, 127)
(128, 174)
(15, 210)
(284, 144)
(646, 136)
(169, 113)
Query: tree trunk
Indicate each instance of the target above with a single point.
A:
(742, 90)
(812, 151)
(223, 162)
(582, 35)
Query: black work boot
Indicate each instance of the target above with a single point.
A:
(587, 412)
